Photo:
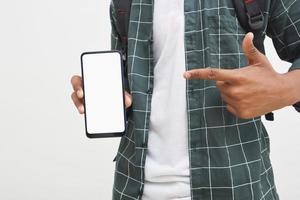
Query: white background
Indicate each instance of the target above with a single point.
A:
(44, 154)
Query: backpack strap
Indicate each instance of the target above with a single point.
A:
(297, 106)
(250, 14)
(122, 8)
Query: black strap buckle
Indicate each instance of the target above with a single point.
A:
(297, 106)
(269, 116)
(255, 14)
(256, 22)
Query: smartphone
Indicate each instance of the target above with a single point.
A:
(104, 102)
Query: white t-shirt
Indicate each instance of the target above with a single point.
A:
(167, 162)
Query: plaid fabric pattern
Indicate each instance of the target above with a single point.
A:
(229, 156)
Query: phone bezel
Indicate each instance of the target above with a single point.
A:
(112, 134)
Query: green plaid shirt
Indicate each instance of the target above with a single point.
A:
(228, 156)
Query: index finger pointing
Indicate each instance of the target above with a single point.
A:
(211, 74)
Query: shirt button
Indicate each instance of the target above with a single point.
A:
(144, 145)
(141, 192)
(149, 91)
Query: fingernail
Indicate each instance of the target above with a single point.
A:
(81, 109)
(187, 75)
(251, 35)
(128, 102)
(80, 93)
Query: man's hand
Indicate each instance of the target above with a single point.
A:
(253, 90)
(77, 95)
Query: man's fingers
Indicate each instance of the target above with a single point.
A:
(222, 85)
(231, 109)
(76, 82)
(252, 53)
(128, 100)
(78, 103)
(227, 99)
(212, 74)
(229, 102)
(77, 85)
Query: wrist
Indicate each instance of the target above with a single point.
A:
(291, 81)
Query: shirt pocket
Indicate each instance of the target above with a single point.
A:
(224, 39)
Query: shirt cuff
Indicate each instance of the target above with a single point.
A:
(295, 66)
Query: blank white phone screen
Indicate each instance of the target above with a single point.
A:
(103, 92)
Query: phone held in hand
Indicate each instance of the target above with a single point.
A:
(102, 78)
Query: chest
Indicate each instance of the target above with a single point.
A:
(212, 32)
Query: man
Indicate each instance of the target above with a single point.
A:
(204, 139)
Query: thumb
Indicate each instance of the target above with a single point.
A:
(128, 100)
(252, 53)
